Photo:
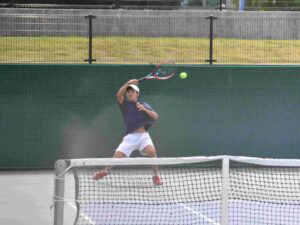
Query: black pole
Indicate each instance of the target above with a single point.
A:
(211, 37)
(117, 4)
(90, 33)
(221, 6)
(10, 4)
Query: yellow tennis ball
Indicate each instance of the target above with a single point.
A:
(183, 75)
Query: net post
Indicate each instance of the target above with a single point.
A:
(59, 191)
(225, 191)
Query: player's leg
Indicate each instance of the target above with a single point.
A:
(124, 150)
(150, 151)
(117, 154)
(104, 172)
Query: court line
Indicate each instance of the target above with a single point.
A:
(201, 215)
(198, 214)
(184, 206)
(87, 218)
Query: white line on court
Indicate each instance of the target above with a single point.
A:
(87, 218)
(198, 214)
(209, 220)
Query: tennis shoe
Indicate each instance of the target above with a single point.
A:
(156, 180)
(100, 174)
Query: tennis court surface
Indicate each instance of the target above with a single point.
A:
(196, 190)
(26, 197)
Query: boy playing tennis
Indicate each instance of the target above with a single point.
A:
(138, 118)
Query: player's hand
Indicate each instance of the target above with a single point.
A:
(140, 106)
(133, 81)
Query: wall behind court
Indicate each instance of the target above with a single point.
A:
(151, 23)
(69, 111)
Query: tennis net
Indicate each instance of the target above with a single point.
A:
(195, 190)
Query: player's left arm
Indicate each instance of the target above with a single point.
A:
(149, 112)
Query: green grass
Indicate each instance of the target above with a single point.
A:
(145, 50)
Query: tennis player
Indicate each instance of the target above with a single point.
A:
(138, 118)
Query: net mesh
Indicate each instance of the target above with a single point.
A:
(264, 194)
(260, 191)
(128, 196)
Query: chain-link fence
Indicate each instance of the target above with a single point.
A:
(144, 39)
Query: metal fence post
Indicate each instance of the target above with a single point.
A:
(211, 37)
(117, 4)
(90, 33)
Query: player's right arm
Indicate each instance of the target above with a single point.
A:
(122, 91)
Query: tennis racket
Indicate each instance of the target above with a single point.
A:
(162, 71)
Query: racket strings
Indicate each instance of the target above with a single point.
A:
(165, 70)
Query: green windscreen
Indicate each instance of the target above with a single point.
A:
(70, 111)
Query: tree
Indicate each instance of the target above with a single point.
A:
(269, 4)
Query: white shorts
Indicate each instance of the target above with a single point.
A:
(135, 141)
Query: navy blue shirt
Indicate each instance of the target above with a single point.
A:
(134, 118)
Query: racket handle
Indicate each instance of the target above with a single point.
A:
(141, 79)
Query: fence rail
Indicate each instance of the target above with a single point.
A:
(144, 39)
(112, 4)
(243, 5)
